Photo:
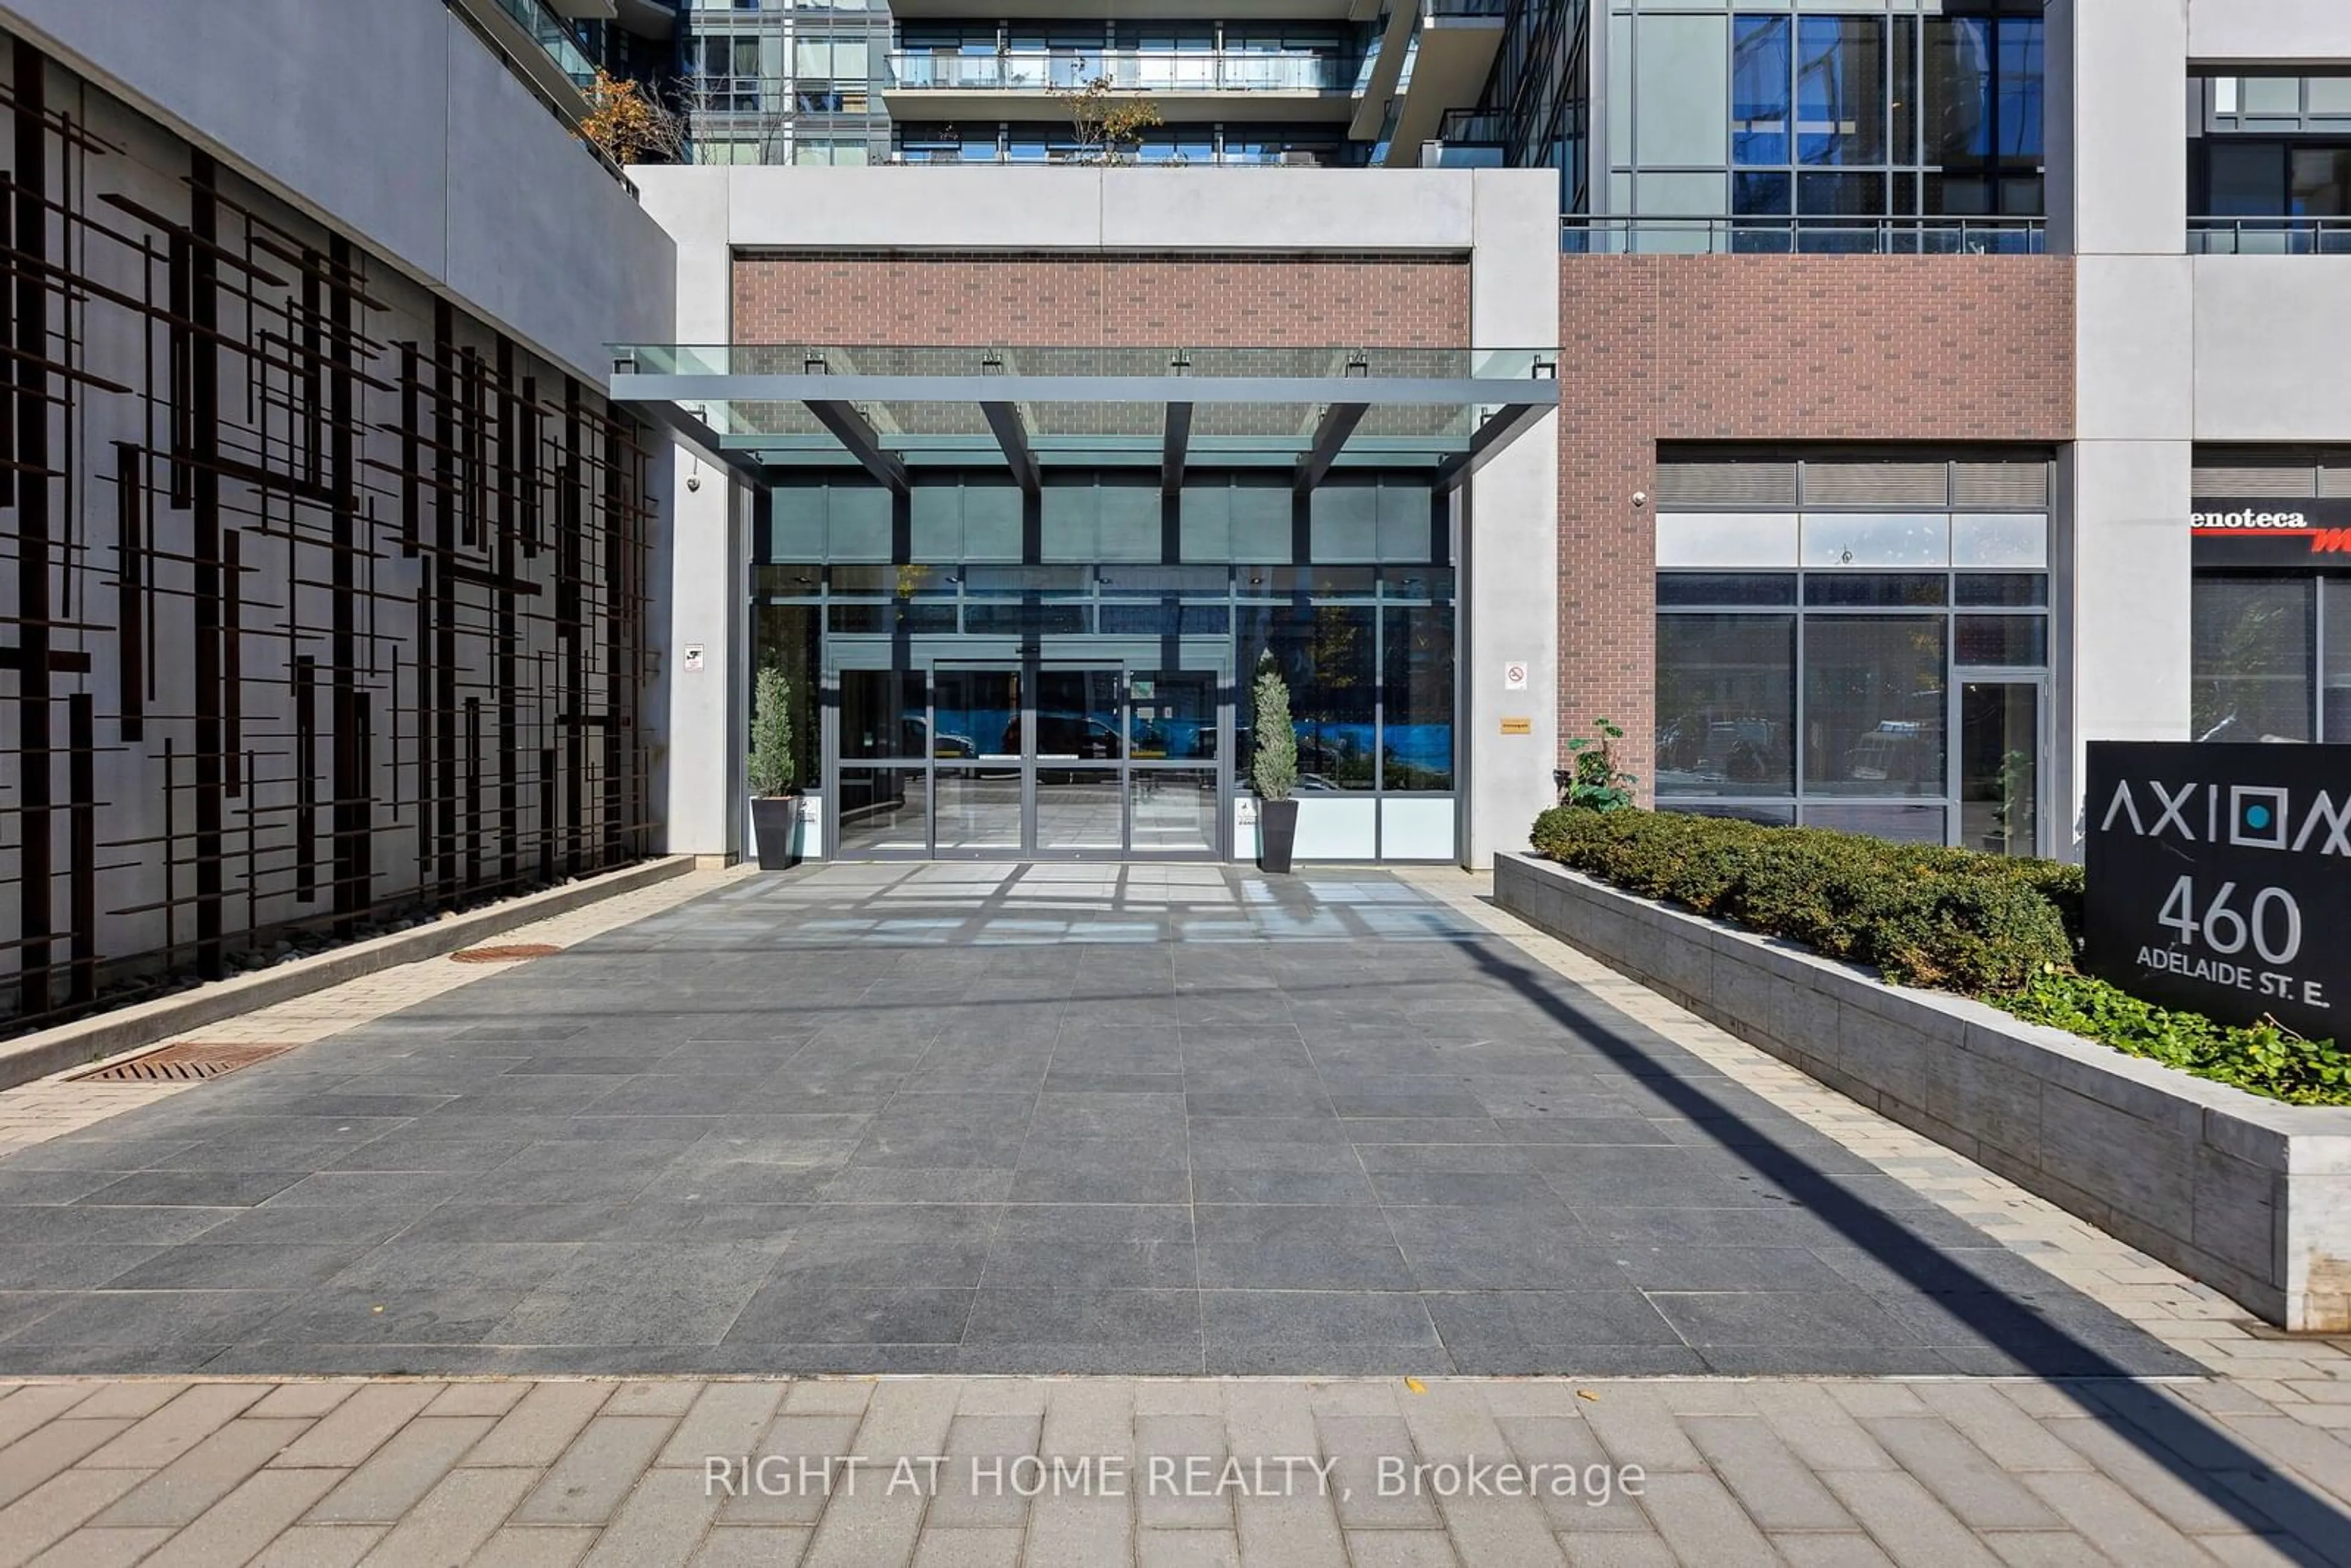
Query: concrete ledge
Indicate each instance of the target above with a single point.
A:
(2251, 1196)
(111, 1033)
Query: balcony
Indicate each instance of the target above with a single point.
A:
(988, 155)
(560, 61)
(1448, 55)
(1584, 234)
(1184, 85)
(2269, 237)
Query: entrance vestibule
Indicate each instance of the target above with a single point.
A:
(1092, 750)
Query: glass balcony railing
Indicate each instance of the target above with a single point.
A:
(555, 36)
(1582, 234)
(1148, 156)
(1126, 70)
(2269, 237)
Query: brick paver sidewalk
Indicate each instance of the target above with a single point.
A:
(1717, 1473)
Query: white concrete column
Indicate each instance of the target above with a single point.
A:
(701, 559)
(703, 660)
(2117, 138)
(1509, 591)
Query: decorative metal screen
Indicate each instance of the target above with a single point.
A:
(322, 599)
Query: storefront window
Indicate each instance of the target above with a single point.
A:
(2253, 658)
(1726, 704)
(2336, 668)
(1817, 666)
(1873, 705)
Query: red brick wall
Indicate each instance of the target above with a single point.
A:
(1087, 299)
(1783, 349)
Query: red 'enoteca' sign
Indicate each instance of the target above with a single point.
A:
(2272, 531)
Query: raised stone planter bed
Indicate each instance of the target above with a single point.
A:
(2252, 1197)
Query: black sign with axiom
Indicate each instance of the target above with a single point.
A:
(2219, 879)
(2235, 531)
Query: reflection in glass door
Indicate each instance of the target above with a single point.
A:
(1076, 756)
(1043, 757)
(979, 783)
(2000, 755)
(1171, 775)
(881, 790)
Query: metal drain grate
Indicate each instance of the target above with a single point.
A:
(182, 1060)
(515, 953)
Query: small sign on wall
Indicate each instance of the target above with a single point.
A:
(1245, 811)
(1514, 675)
(693, 658)
(1518, 727)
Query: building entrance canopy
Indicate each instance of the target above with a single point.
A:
(887, 408)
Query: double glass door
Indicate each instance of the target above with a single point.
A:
(1030, 758)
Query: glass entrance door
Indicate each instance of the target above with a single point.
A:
(979, 793)
(1172, 727)
(1030, 758)
(1076, 753)
(1998, 761)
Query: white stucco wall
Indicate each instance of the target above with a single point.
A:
(920, 208)
(390, 120)
(2276, 32)
(2271, 336)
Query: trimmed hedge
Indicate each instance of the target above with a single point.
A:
(2002, 930)
(1921, 915)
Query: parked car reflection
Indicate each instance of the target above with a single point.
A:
(1716, 748)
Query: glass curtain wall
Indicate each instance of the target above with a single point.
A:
(778, 81)
(1537, 105)
(1799, 118)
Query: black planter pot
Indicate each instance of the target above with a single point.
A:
(773, 821)
(1277, 832)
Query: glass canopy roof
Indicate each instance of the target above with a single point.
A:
(887, 407)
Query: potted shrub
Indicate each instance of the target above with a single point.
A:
(1274, 770)
(772, 771)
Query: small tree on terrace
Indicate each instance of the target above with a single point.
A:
(628, 126)
(1109, 123)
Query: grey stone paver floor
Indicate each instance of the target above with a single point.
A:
(994, 1118)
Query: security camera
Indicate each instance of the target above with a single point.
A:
(1640, 497)
(693, 482)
